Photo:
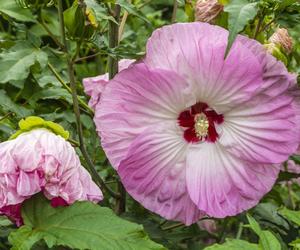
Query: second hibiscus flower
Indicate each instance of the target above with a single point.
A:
(191, 133)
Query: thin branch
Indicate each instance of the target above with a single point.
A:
(290, 195)
(240, 230)
(5, 116)
(257, 30)
(59, 78)
(173, 226)
(110, 12)
(113, 41)
(144, 4)
(259, 24)
(122, 24)
(174, 13)
(73, 142)
(87, 57)
(83, 150)
(58, 43)
(268, 24)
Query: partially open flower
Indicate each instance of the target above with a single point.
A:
(207, 10)
(282, 38)
(191, 133)
(41, 161)
(93, 86)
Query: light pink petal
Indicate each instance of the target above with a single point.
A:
(27, 157)
(153, 173)
(263, 130)
(39, 160)
(94, 86)
(295, 93)
(196, 52)
(91, 189)
(28, 183)
(135, 99)
(275, 75)
(223, 185)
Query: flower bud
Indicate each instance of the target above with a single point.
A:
(207, 10)
(281, 37)
(74, 19)
(208, 225)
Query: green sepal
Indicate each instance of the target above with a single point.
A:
(277, 52)
(34, 122)
(74, 19)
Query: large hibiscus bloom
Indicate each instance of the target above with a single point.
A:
(191, 133)
(41, 161)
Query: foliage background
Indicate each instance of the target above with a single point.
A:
(33, 67)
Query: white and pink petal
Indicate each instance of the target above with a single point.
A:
(134, 100)
(153, 173)
(221, 184)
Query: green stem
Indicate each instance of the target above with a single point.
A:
(75, 143)
(240, 230)
(88, 57)
(113, 41)
(121, 202)
(223, 232)
(174, 13)
(5, 116)
(259, 24)
(95, 175)
(59, 78)
(173, 226)
(58, 43)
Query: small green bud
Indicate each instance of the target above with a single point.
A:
(276, 51)
(74, 19)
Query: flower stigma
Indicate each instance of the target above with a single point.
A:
(201, 125)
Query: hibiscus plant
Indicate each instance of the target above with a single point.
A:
(149, 124)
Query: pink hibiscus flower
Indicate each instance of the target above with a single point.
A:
(37, 161)
(191, 133)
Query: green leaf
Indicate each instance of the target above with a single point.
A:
(83, 225)
(286, 3)
(295, 244)
(291, 215)
(267, 214)
(55, 93)
(74, 20)
(254, 225)
(4, 222)
(131, 9)
(99, 11)
(15, 63)
(267, 240)
(240, 12)
(12, 9)
(9, 106)
(234, 244)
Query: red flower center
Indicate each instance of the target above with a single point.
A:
(199, 123)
